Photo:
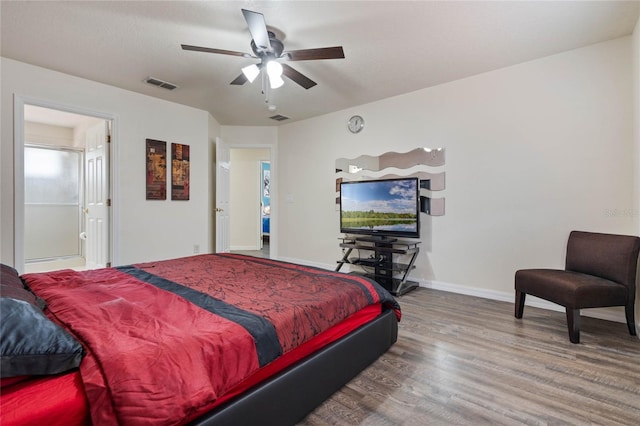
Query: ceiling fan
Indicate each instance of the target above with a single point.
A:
(270, 50)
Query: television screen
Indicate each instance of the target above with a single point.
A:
(385, 207)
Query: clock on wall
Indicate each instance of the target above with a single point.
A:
(355, 124)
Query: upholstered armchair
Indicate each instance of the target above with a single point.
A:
(600, 270)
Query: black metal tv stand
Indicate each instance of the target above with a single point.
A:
(381, 266)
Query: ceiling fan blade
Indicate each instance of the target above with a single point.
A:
(311, 54)
(239, 80)
(298, 77)
(212, 50)
(257, 28)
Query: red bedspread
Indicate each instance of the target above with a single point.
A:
(166, 339)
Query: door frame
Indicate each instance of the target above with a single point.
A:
(19, 101)
(260, 197)
(221, 203)
(273, 222)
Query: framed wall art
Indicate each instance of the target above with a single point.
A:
(156, 170)
(179, 171)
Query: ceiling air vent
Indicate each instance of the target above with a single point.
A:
(160, 83)
(279, 117)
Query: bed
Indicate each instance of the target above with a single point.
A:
(207, 340)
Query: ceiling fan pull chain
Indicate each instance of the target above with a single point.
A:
(265, 87)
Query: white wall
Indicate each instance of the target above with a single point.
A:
(146, 230)
(245, 197)
(532, 152)
(46, 134)
(249, 136)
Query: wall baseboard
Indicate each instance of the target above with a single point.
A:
(605, 314)
(306, 263)
(244, 248)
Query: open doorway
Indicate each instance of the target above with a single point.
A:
(249, 200)
(65, 175)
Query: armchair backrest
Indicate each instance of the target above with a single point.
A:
(609, 256)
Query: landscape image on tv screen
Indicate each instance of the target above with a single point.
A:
(388, 207)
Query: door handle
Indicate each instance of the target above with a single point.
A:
(218, 209)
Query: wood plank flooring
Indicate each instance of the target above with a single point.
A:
(463, 360)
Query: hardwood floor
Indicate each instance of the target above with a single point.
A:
(462, 360)
(263, 252)
(76, 263)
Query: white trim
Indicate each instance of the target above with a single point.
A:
(306, 263)
(19, 101)
(18, 183)
(529, 301)
(259, 183)
(244, 248)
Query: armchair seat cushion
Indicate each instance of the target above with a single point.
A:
(571, 289)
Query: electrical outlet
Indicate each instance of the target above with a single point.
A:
(196, 249)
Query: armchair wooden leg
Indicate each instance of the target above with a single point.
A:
(573, 323)
(631, 322)
(519, 304)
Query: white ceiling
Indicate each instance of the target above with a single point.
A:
(391, 47)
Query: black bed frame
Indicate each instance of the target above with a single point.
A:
(288, 397)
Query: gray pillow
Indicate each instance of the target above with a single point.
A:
(31, 344)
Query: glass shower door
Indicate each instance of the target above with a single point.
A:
(53, 202)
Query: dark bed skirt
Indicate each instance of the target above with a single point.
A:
(288, 397)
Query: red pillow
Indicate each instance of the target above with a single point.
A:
(19, 294)
(9, 276)
(12, 286)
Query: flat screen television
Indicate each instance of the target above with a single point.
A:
(384, 207)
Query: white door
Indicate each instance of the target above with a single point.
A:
(223, 166)
(97, 201)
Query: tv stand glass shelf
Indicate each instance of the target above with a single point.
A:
(380, 265)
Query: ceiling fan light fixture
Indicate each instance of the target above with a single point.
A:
(275, 81)
(251, 72)
(268, 49)
(274, 71)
